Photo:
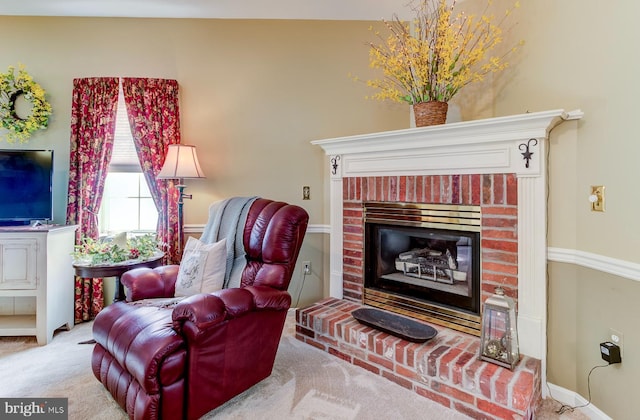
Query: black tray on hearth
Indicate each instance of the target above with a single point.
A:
(397, 325)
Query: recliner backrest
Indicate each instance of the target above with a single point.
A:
(273, 234)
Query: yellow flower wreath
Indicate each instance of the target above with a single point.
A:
(11, 87)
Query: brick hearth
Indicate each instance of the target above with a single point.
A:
(445, 369)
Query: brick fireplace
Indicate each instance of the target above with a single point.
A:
(498, 164)
(495, 194)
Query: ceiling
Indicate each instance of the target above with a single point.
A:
(221, 9)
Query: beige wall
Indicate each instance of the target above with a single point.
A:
(581, 54)
(584, 62)
(254, 93)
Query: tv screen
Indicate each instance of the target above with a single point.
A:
(25, 186)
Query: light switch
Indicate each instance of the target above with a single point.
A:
(597, 198)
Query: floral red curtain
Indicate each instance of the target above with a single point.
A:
(154, 118)
(93, 118)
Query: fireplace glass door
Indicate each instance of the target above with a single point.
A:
(439, 266)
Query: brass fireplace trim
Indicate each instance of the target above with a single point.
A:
(441, 216)
(439, 315)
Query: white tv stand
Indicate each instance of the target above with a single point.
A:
(36, 280)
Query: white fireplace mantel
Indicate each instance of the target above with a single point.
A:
(494, 145)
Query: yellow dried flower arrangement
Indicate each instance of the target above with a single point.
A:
(439, 54)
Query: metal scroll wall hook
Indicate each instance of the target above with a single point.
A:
(334, 164)
(526, 155)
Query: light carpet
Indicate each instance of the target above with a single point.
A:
(306, 383)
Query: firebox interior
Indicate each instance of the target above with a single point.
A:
(424, 261)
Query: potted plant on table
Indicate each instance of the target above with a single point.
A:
(427, 61)
(105, 252)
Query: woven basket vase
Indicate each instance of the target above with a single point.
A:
(430, 113)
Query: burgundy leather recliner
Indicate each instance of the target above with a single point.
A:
(182, 362)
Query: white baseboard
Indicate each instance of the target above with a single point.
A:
(573, 399)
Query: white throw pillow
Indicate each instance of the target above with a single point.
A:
(202, 268)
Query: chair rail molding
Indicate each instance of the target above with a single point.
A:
(312, 228)
(621, 268)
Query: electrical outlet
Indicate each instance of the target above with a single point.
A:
(617, 338)
(306, 267)
(306, 192)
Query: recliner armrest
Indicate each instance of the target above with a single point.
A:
(147, 283)
(265, 297)
(196, 314)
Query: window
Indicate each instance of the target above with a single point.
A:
(127, 204)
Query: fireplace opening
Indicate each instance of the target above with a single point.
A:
(423, 260)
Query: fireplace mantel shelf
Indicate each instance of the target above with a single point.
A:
(479, 146)
(529, 125)
(489, 146)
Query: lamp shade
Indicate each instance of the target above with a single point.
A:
(181, 162)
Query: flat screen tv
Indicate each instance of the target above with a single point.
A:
(25, 186)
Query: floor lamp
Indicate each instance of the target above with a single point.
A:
(181, 162)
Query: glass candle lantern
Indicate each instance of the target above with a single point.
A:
(499, 338)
